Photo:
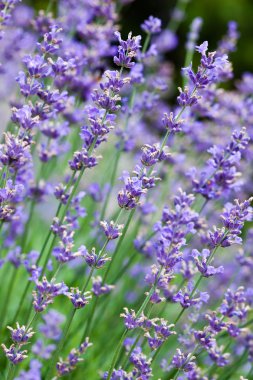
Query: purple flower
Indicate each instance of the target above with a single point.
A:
(142, 367)
(51, 41)
(186, 300)
(127, 50)
(186, 99)
(98, 288)
(202, 259)
(235, 304)
(45, 293)
(15, 152)
(14, 354)
(215, 323)
(151, 154)
(171, 123)
(131, 320)
(78, 298)
(183, 361)
(42, 350)
(28, 86)
(221, 174)
(112, 230)
(67, 366)
(119, 374)
(33, 373)
(51, 326)
(36, 66)
(20, 335)
(95, 260)
(82, 160)
(152, 25)
(217, 355)
(23, 117)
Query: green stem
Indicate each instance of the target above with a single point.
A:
(120, 241)
(50, 371)
(10, 371)
(21, 302)
(89, 320)
(27, 225)
(214, 366)
(146, 43)
(174, 23)
(116, 354)
(112, 180)
(233, 368)
(9, 288)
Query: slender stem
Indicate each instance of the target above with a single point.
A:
(10, 371)
(32, 206)
(21, 302)
(60, 345)
(137, 339)
(26, 231)
(9, 288)
(48, 236)
(125, 267)
(35, 315)
(120, 241)
(112, 180)
(233, 368)
(89, 320)
(174, 22)
(248, 376)
(50, 6)
(146, 43)
(116, 354)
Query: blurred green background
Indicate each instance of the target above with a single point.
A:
(215, 13)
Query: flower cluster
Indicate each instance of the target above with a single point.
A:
(20, 336)
(78, 246)
(65, 367)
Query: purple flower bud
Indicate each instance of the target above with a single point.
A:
(20, 335)
(78, 299)
(152, 25)
(14, 354)
(98, 288)
(131, 320)
(94, 260)
(127, 50)
(112, 230)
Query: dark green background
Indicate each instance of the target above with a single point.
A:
(215, 14)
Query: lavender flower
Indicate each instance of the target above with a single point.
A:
(127, 50)
(112, 230)
(78, 298)
(131, 320)
(14, 355)
(45, 292)
(152, 25)
(98, 288)
(201, 260)
(20, 335)
(74, 112)
(74, 357)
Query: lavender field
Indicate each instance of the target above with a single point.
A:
(126, 193)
